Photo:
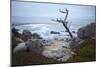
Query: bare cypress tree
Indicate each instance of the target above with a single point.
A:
(64, 22)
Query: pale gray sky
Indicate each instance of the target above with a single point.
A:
(47, 10)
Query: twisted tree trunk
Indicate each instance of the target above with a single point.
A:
(65, 24)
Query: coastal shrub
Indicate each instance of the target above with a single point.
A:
(85, 53)
(14, 41)
(15, 32)
(30, 58)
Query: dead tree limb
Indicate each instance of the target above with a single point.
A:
(64, 22)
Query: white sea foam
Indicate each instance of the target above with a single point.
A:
(44, 30)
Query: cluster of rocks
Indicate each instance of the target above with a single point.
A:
(28, 42)
(28, 35)
(35, 44)
(58, 50)
(28, 46)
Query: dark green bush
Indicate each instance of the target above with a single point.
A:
(14, 41)
(30, 58)
(85, 53)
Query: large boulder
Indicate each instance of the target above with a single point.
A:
(26, 35)
(29, 46)
(54, 32)
(34, 45)
(20, 48)
(88, 31)
(36, 36)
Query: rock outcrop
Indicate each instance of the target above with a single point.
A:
(58, 50)
(36, 36)
(20, 47)
(29, 46)
(54, 32)
(34, 45)
(88, 31)
(26, 35)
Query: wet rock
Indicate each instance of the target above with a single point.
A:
(36, 36)
(54, 32)
(73, 32)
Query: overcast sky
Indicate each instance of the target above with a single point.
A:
(47, 10)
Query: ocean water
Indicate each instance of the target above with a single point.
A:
(44, 26)
(43, 29)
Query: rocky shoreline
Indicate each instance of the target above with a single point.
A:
(56, 49)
